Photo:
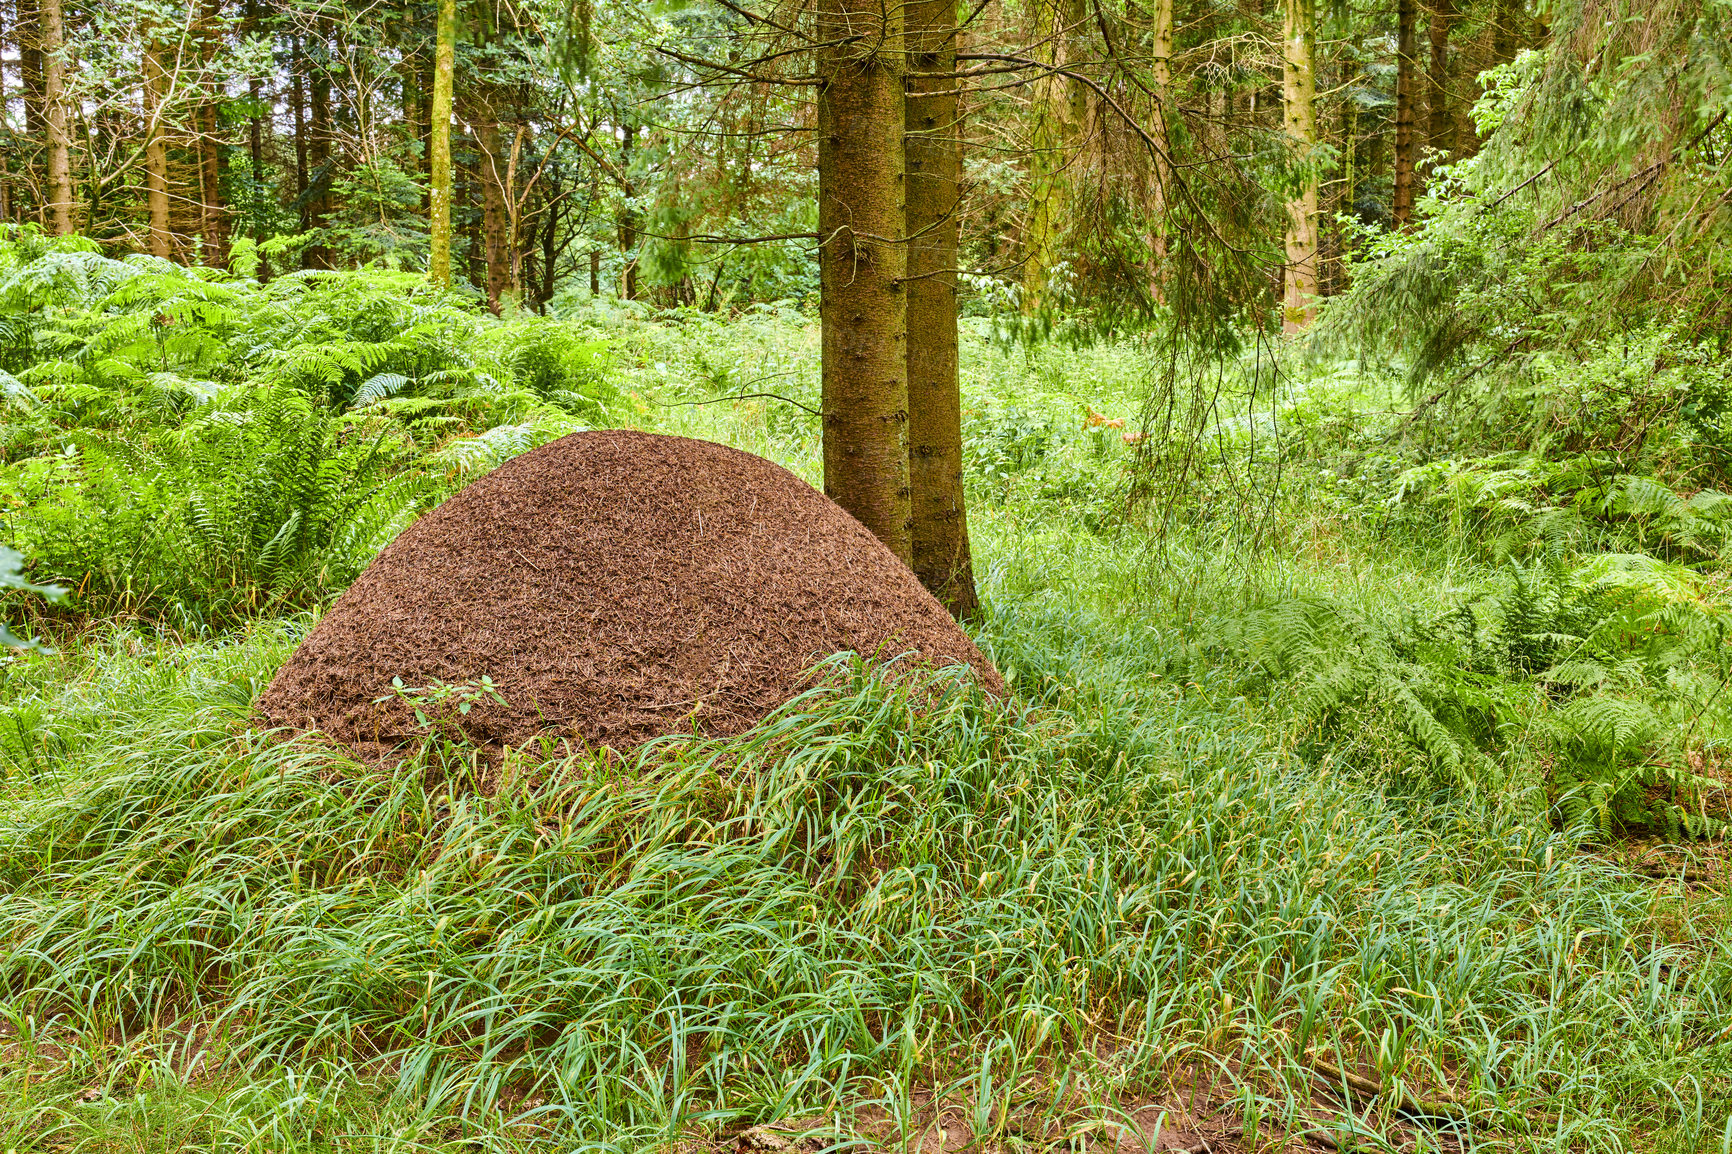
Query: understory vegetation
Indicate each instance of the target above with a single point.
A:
(1326, 761)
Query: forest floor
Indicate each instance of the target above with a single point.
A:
(1142, 906)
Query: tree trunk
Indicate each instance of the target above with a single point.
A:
(214, 209)
(159, 241)
(594, 272)
(938, 531)
(28, 29)
(494, 231)
(862, 262)
(298, 94)
(1299, 112)
(1162, 70)
(256, 153)
(1406, 140)
(409, 82)
(469, 194)
(628, 222)
(56, 118)
(439, 171)
(1061, 107)
(6, 158)
(319, 154)
(1439, 126)
(1505, 35)
(214, 214)
(549, 240)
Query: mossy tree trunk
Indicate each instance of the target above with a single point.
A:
(1161, 68)
(439, 146)
(1439, 124)
(863, 263)
(1406, 139)
(1060, 112)
(158, 241)
(938, 534)
(494, 231)
(1299, 116)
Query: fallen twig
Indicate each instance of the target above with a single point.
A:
(1445, 1105)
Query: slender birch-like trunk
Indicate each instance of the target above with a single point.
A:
(1299, 115)
(56, 117)
(439, 146)
(1406, 139)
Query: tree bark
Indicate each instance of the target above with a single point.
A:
(469, 194)
(494, 231)
(56, 118)
(256, 154)
(938, 531)
(1439, 125)
(1161, 67)
(6, 159)
(298, 95)
(1505, 35)
(1406, 139)
(1299, 114)
(628, 222)
(159, 240)
(319, 154)
(29, 29)
(862, 263)
(214, 209)
(439, 171)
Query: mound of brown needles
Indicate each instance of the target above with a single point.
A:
(614, 587)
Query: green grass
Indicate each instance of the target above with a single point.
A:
(1046, 912)
(1123, 891)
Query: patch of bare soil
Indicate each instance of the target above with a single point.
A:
(612, 587)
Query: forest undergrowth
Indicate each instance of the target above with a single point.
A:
(1306, 824)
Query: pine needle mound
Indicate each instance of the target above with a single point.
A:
(614, 587)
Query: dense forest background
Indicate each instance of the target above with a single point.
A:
(598, 149)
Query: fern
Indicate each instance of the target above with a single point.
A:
(1596, 669)
(377, 387)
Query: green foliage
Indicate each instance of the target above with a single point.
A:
(1597, 218)
(185, 446)
(12, 579)
(268, 498)
(1603, 680)
(438, 706)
